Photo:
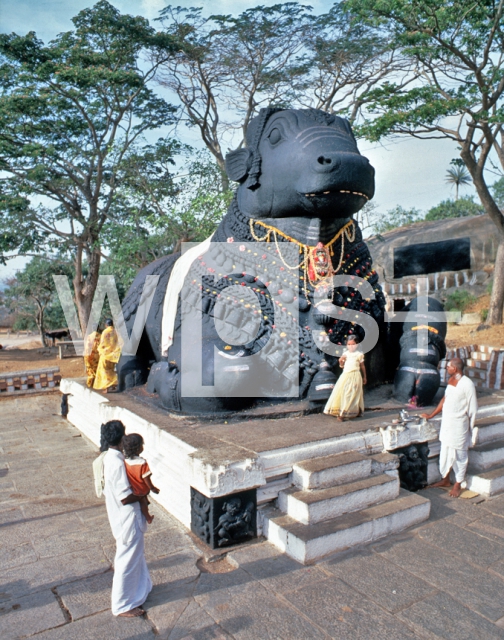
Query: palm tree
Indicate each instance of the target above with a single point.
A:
(457, 175)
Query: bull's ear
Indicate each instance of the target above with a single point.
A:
(238, 164)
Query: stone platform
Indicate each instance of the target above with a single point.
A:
(307, 511)
(57, 549)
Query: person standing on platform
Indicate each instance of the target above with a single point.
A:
(347, 397)
(131, 583)
(91, 355)
(459, 406)
(110, 351)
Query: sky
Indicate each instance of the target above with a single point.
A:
(409, 172)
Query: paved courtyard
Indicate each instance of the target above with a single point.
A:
(442, 579)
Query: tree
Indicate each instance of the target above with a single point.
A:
(232, 66)
(458, 90)
(344, 60)
(72, 114)
(188, 211)
(465, 206)
(395, 218)
(367, 217)
(458, 176)
(31, 295)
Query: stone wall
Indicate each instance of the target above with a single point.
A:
(480, 232)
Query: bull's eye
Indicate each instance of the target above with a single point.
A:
(275, 136)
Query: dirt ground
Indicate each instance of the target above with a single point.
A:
(462, 335)
(31, 356)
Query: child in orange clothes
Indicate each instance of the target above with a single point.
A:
(138, 472)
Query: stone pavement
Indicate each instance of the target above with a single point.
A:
(442, 579)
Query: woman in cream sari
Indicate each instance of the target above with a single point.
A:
(347, 397)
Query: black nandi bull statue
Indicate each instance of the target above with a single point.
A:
(301, 178)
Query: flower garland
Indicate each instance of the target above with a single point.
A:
(316, 262)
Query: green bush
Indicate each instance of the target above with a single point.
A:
(455, 209)
(395, 218)
(484, 315)
(459, 300)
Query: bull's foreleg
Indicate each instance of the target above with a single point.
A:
(132, 371)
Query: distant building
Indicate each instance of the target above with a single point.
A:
(451, 254)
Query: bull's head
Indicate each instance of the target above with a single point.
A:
(300, 163)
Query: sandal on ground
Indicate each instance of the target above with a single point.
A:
(137, 612)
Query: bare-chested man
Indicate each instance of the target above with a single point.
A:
(459, 407)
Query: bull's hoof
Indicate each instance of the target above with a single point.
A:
(131, 373)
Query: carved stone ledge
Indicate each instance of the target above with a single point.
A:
(214, 481)
(402, 435)
(224, 521)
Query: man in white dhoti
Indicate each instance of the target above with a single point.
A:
(459, 406)
(131, 584)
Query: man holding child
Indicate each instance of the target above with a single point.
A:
(131, 584)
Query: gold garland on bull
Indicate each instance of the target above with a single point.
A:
(316, 262)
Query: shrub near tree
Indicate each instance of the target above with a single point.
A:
(460, 208)
(459, 300)
(395, 218)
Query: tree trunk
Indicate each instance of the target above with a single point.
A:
(39, 320)
(491, 208)
(224, 176)
(497, 297)
(43, 337)
(85, 287)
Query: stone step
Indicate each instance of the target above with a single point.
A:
(309, 507)
(307, 543)
(477, 364)
(433, 473)
(327, 471)
(483, 457)
(489, 407)
(486, 349)
(486, 483)
(489, 430)
(476, 374)
(385, 463)
(480, 355)
(461, 352)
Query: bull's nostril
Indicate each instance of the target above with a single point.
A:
(323, 160)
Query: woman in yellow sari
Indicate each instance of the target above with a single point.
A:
(347, 397)
(110, 352)
(91, 355)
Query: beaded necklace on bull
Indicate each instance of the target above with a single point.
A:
(316, 262)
